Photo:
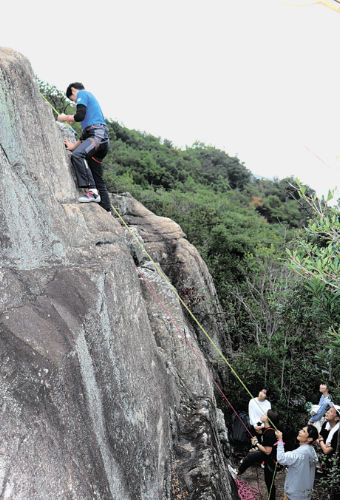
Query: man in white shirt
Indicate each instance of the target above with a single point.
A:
(258, 407)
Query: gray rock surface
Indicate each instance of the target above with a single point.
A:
(67, 131)
(100, 396)
(165, 241)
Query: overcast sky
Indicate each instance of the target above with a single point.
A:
(257, 78)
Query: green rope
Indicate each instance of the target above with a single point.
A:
(48, 102)
(271, 486)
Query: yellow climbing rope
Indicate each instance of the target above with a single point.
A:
(335, 5)
(160, 272)
(48, 102)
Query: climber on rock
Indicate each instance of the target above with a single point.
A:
(88, 153)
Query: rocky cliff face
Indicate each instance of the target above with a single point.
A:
(100, 396)
(166, 242)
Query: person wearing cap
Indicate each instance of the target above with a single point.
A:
(329, 434)
(328, 441)
(88, 153)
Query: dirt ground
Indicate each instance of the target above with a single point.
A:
(254, 476)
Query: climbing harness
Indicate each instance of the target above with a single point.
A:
(275, 469)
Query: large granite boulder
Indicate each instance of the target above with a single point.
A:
(165, 241)
(100, 396)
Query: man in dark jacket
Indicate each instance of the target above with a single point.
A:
(88, 153)
(265, 451)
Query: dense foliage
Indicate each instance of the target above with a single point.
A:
(316, 258)
(141, 162)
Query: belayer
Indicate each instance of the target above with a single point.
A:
(88, 153)
(301, 464)
(264, 451)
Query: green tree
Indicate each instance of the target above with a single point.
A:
(315, 257)
(215, 163)
(57, 98)
(59, 101)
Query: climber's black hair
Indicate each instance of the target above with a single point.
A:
(75, 85)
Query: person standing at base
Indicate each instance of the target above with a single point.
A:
(328, 441)
(256, 408)
(329, 434)
(301, 464)
(324, 402)
(264, 451)
(88, 153)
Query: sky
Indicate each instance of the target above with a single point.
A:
(256, 78)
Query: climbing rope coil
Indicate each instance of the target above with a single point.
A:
(246, 492)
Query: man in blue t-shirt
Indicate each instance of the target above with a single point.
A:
(88, 153)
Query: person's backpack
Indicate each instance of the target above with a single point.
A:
(238, 432)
